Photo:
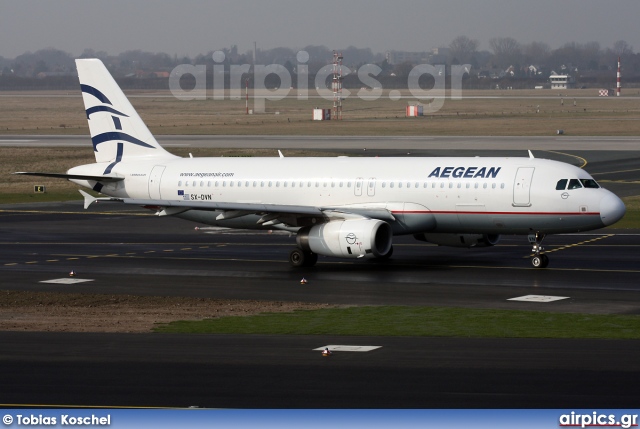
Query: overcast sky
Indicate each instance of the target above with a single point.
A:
(189, 27)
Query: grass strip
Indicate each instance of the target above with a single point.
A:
(419, 321)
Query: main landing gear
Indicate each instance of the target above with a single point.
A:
(538, 260)
(300, 258)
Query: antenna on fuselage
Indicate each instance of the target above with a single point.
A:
(530, 154)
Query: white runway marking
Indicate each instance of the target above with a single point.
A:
(67, 281)
(538, 298)
(337, 348)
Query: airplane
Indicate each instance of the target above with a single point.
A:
(340, 206)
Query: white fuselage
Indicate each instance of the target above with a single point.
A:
(449, 195)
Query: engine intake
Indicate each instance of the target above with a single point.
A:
(357, 238)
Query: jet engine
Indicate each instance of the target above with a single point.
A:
(460, 240)
(352, 238)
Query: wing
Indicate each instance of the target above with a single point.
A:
(271, 214)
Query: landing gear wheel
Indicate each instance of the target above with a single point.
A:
(540, 261)
(545, 261)
(300, 258)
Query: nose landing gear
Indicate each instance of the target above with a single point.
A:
(538, 260)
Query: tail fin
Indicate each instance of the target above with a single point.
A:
(117, 132)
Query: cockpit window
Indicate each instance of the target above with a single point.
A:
(589, 183)
(561, 185)
(574, 184)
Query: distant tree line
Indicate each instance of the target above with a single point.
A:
(519, 65)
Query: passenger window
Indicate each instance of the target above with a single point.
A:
(589, 183)
(574, 184)
(561, 185)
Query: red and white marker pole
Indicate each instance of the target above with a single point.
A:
(618, 80)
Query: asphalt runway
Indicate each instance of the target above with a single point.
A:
(134, 252)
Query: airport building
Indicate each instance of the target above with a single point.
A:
(562, 81)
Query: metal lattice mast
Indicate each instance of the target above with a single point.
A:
(336, 85)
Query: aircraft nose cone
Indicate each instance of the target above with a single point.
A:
(611, 209)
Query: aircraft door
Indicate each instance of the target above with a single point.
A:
(154, 182)
(358, 188)
(522, 187)
(371, 187)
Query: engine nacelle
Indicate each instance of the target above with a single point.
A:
(460, 240)
(353, 238)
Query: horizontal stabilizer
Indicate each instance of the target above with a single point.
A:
(88, 199)
(73, 176)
